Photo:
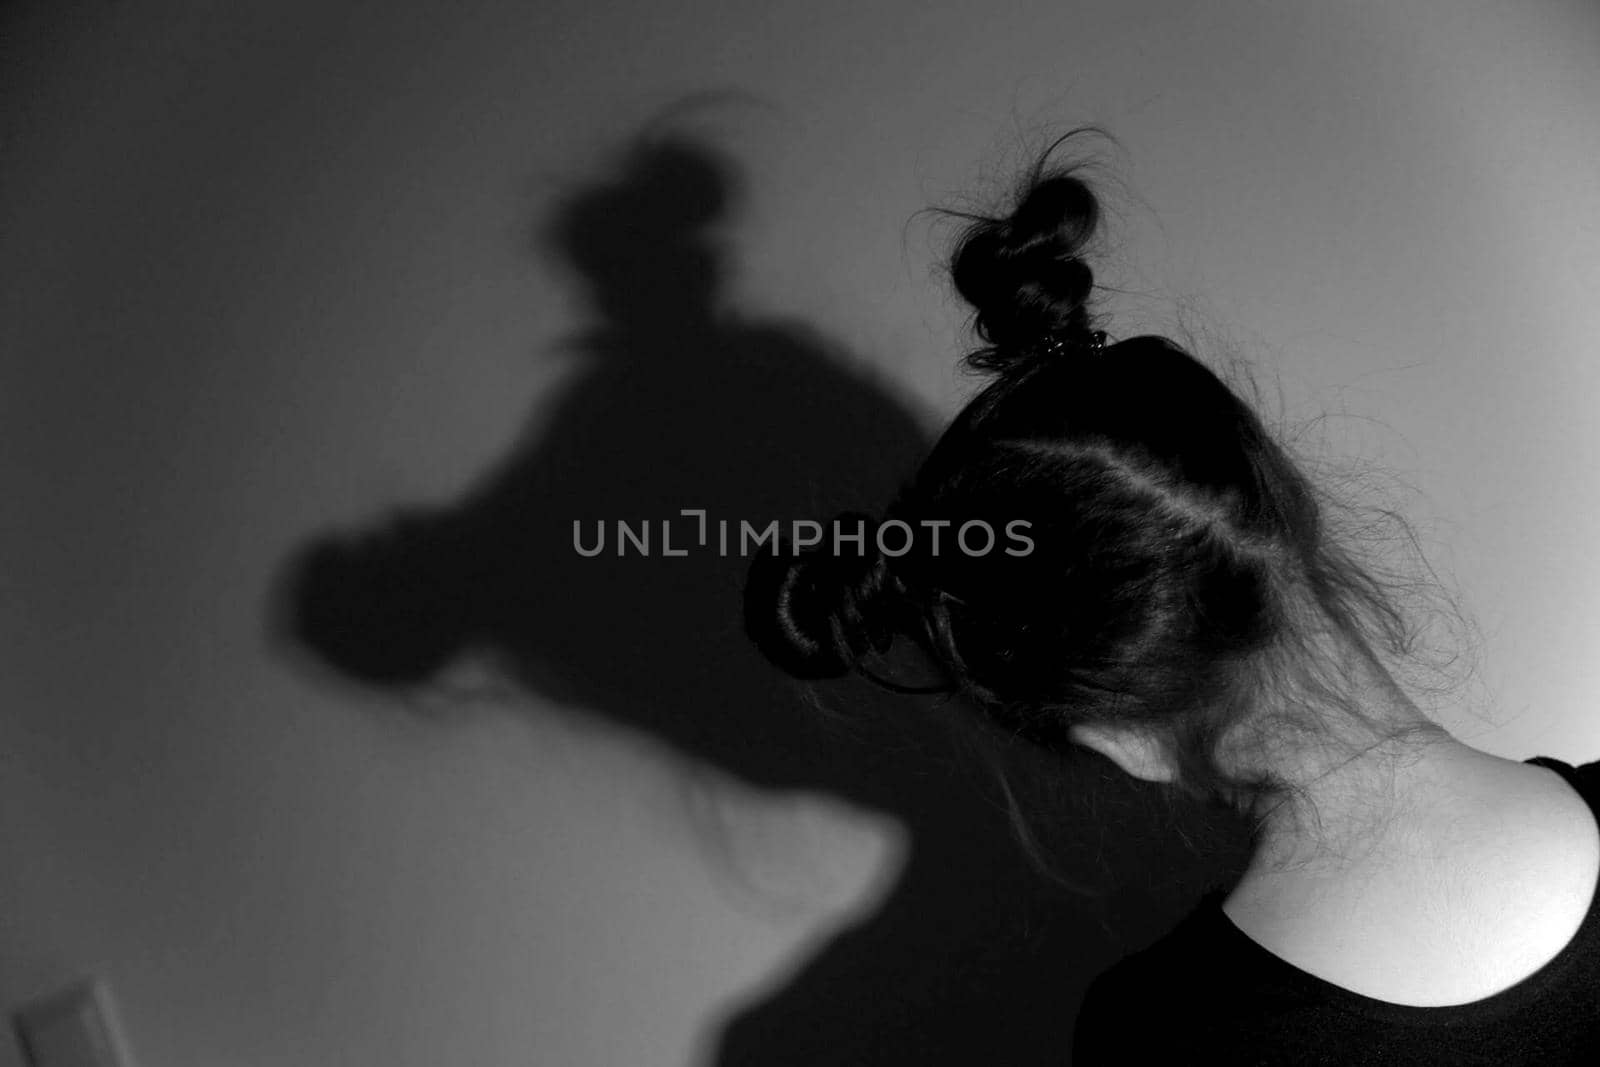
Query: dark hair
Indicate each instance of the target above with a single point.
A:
(1182, 577)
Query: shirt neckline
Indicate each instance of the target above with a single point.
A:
(1517, 995)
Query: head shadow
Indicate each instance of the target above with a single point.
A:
(684, 404)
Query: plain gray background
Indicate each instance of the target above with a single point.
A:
(266, 268)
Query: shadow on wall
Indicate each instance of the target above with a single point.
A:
(975, 956)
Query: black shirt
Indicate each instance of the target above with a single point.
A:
(1206, 993)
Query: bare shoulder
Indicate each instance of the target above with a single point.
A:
(1512, 811)
(1540, 839)
(1496, 878)
(1528, 872)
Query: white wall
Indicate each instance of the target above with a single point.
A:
(266, 269)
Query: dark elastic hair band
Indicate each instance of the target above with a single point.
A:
(1058, 344)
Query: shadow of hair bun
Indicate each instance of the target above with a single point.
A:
(816, 614)
(389, 607)
(1024, 273)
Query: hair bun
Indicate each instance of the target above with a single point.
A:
(1025, 274)
(815, 614)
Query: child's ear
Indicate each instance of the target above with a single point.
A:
(1136, 751)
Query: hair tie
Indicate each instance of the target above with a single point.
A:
(1056, 344)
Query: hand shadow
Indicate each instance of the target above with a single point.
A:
(974, 956)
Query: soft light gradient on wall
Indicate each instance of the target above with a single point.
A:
(267, 268)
